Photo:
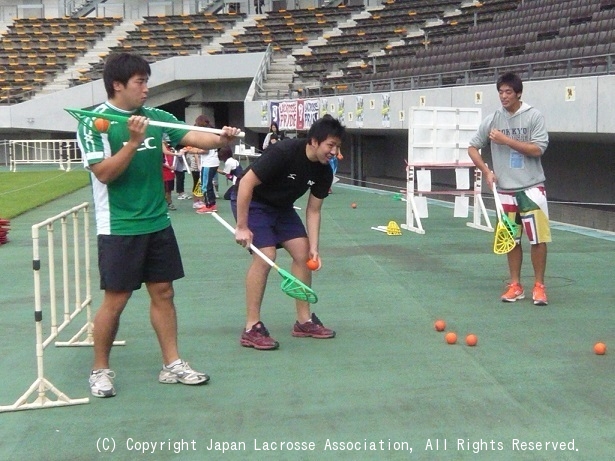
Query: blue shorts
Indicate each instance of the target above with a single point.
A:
(127, 261)
(271, 226)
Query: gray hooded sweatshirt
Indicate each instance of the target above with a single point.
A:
(515, 171)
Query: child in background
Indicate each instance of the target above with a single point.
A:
(180, 174)
(232, 168)
(168, 174)
(334, 162)
(209, 163)
(195, 170)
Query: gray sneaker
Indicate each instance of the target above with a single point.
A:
(181, 373)
(101, 383)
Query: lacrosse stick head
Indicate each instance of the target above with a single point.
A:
(512, 227)
(81, 117)
(197, 191)
(504, 240)
(296, 288)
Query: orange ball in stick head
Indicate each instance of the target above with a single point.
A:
(101, 124)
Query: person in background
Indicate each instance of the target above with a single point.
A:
(273, 129)
(192, 157)
(209, 164)
(334, 162)
(232, 169)
(518, 138)
(168, 174)
(180, 174)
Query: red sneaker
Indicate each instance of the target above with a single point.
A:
(312, 328)
(258, 338)
(207, 209)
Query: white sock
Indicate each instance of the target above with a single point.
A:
(172, 364)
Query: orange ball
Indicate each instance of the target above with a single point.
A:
(451, 337)
(312, 264)
(439, 325)
(101, 124)
(600, 348)
(353, 205)
(471, 340)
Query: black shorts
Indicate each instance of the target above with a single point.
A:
(127, 261)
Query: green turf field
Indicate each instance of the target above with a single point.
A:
(387, 387)
(23, 190)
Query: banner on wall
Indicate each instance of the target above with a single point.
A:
(386, 110)
(295, 115)
(300, 114)
(311, 111)
(275, 114)
(341, 109)
(287, 111)
(324, 109)
(359, 112)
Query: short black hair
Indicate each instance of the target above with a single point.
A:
(121, 67)
(224, 153)
(511, 79)
(324, 127)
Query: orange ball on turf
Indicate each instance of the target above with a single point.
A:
(101, 124)
(600, 348)
(451, 337)
(471, 340)
(353, 205)
(439, 325)
(312, 264)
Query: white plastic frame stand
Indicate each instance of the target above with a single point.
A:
(74, 295)
(438, 138)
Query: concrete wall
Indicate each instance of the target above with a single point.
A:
(588, 111)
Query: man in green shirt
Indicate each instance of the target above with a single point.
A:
(136, 243)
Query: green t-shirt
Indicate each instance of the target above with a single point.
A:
(134, 202)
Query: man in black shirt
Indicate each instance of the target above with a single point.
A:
(263, 207)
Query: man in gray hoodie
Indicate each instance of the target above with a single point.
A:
(518, 138)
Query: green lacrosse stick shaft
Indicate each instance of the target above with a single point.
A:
(123, 119)
(512, 227)
(310, 295)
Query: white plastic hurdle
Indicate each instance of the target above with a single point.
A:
(81, 300)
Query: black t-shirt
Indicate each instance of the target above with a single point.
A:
(287, 174)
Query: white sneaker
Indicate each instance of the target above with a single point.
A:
(181, 373)
(101, 383)
(198, 204)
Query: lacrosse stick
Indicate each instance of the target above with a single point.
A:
(197, 191)
(505, 231)
(80, 115)
(291, 285)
